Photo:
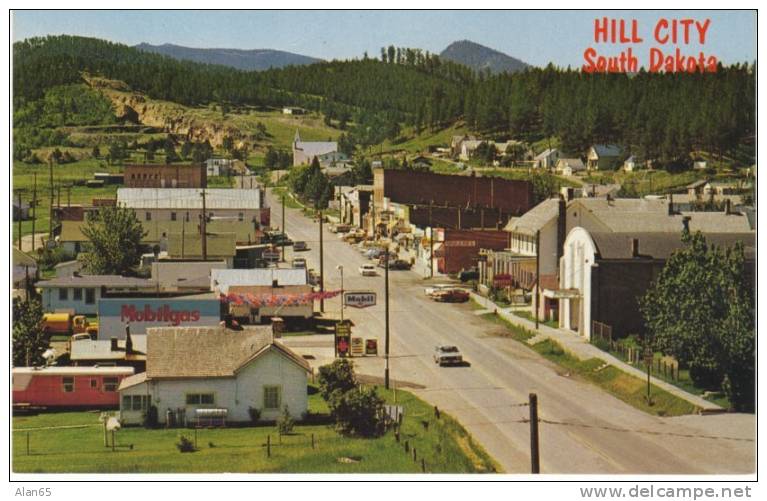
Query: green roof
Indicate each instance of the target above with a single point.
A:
(218, 245)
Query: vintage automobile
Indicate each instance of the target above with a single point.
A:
(447, 355)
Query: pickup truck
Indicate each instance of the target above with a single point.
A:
(68, 324)
(447, 355)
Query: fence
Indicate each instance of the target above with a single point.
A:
(601, 332)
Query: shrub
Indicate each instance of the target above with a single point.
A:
(255, 414)
(358, 413)
(338, 376)
(285, 422)
(185, 445)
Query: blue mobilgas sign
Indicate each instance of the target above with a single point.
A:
(116, 313)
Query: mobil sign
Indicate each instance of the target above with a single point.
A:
(116, 313)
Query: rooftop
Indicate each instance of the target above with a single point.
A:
(189, 198)
(114, 281)
(224, 279)
(101, 349)
(536, 218)
(660, 245)
(607, 150)
(73, 371)
(175, 352)
(217, 245)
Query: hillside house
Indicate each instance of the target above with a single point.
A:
(546, 159)
(305, 151)
(603, 157)
(569, 166)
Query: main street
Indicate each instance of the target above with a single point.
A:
(583, 429)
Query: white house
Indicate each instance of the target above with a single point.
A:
(81, 293)
(191, 368)
(218, 166)
(546, 159)
(305, 151)
(569, 166)
(222, 280)
(603, 157)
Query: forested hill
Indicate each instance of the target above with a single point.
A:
(251, 60)
(661, 116)
(481, 58)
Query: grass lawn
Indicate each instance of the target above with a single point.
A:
(620, 384)
(443, 443)
(529, 316)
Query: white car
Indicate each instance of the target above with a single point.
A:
(437, 288)
(447, 355)
(368, 270)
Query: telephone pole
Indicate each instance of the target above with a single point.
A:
(33, 208)
(322, 269)
(386, 319)
(204, 229)
(283, 226)
(537, 274)
(50, 209)
(535, 457)
(431, 242)
(19, 213)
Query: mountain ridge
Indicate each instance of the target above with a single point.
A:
(241, 59)
(481, 58)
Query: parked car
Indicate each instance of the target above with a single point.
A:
(451, 296)
(299, 262)
(313, 277)
(432, 289)
(394, 264)
(375, 253)
(340, 228)
(368, 270)
(300, 246)
(447, 355)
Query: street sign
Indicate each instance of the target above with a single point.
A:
(371, 347)
(343, 339)
(358, 347)
(360, 299)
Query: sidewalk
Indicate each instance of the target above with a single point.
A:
(582, 349)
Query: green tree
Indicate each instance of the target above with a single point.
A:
(29, 339)
(700, 311)
(114, 235)
(358, 412)
(337, 376)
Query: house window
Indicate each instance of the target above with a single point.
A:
(63, 294)
(148, 216)
(272, 397)
(199, 399)
(172, 216)
(68, 384)
(137, 402)
(94, 384)
(77, 294)
(90, 296)
(110, 384)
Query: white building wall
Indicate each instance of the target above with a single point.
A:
(234, 394)
(51, 301)
(577, 264)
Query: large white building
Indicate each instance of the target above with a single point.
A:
(221, 280)
(305, 151)
(191, 368)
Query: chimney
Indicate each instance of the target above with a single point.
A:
(128, 340)
(686, 224)
(113, 344)
(634, 247)
(671, 204)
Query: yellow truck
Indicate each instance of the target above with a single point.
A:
(68, 324)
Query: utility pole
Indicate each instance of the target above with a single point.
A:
(431, 242)
(386, 318)
(204, 229)
(58, 196)
(183, 235)
(69, 195)
(537, 274)
(322, 269)
(34, 209)
(535, 458)
(283, 226)
(19, 214)
(50, 186)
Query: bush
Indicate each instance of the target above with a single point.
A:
(358, 412)
(185, 445)
(285, 422)
(255, 414)
(338, 376)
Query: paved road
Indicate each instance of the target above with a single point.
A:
(584, 430)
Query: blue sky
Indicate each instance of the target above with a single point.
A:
(537, 37)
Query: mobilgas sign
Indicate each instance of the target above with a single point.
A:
(360, 299)
(115, 314)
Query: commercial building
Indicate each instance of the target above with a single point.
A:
(82, 293)
(603, 274)
(165, 176)
(305, 151)
(158, 204)
(68, 387)
(222, 280)
(272, 302)
(196, 368)
(458, 250)
(142, 313)
(129, 352)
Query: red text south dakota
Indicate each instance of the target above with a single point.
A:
(667, 56)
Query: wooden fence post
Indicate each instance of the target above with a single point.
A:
(423, 465)
(27, 443)
(415, 455)
(268, 446)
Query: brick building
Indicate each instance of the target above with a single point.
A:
(165, 176)
(459, 249)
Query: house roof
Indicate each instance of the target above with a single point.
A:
(101, 349)
(316, 148)
(188, 198)
(536, 218)
(697, 184)
(217, 245)
(607, 150)
(155, 229)
(224, 279)
(574, 163)
(191, 352)
(132, 381)
(660, 245)
(643, 215)
(114, 281)
(545, 153)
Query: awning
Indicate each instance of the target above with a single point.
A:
(562, 293)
